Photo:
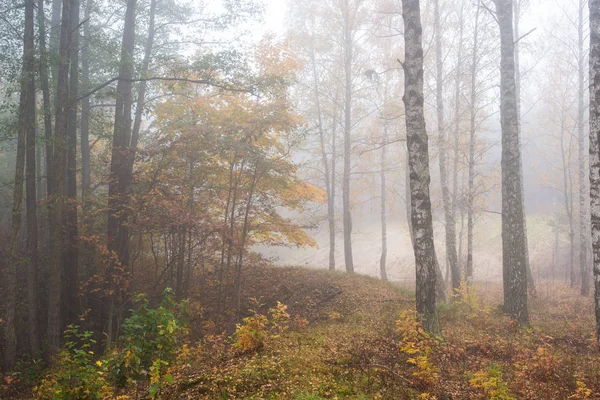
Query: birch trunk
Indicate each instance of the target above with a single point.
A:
(418, 160)
(513, 230)
(595, 150)
(583, 213)
(517, 15)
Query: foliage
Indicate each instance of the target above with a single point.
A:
(418, 345)
(151, 339)
(257, 329)
(491, 383)
(76, 375)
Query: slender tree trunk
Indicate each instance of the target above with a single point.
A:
(45, 86)
(85, 128)
(383, 257)
(24, 147)
(418, 160)
(568, 200)
(57, 200)
(325, 163)
(513, 229)
(244, 235)
(331, 203)
(71, 246)
(118, 205)
(141, 100)
(31, 185)
(348, 58)
(450, 221)
(55, 32)
(456, 274)
(472, 140)
(517, 15)
(594, 60)
(583, 214)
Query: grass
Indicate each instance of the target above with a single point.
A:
(352, 348)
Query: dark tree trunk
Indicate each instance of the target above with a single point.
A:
(347, 209)
(31, 185)
(55, 32)
(595, 150)
(45, 86)
(118, 203)
(57, 200)
(513, 229)
(85, 128)
(70, 301)
(25, 144)
(418, 160)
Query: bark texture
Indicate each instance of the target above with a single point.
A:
(57, 200)
(118, 205)
(514, 257)
(418, 160)
(31, 183)
(595, 150)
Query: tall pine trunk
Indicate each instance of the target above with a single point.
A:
(71, 246)
(418, 160)
(118, 211)
(57, 199)
(31, 182)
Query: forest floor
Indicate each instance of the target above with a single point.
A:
(312, 334)
(354, 337)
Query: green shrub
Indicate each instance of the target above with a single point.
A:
(151, 337)
(75, 375)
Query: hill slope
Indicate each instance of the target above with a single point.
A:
(354, 337)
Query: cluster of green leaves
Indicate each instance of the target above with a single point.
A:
(76, 375)
(151, 337)
(145, 352)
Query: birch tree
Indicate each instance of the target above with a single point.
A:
(418, 161)
(594, 58)
(513, 229)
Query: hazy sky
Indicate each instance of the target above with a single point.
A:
(275, 15)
